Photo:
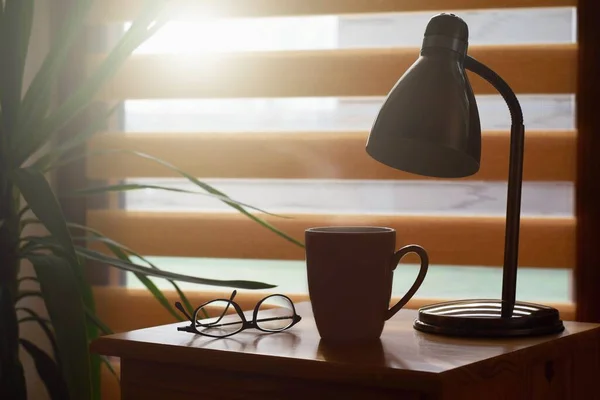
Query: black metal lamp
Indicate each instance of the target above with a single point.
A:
(429, 125)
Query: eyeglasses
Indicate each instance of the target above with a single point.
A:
(274, 313)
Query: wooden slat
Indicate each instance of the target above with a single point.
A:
(123, 10)
(536, 69)
(457, 240)
(125, 309)
(549, 156)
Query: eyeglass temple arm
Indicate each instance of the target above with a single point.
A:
(229, 303)
(239, 322)
(179, 306)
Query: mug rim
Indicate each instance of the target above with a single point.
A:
(350, 230)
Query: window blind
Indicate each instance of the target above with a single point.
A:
(319, 155)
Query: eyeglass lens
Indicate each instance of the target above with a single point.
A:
(275, 313)
(218, 325)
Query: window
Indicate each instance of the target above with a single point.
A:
(274, 110)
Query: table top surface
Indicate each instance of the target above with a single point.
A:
(401, 349)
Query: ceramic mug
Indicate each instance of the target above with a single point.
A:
(350, 271)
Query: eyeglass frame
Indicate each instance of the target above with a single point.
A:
(245, 323)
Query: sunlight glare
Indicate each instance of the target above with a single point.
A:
(244, 34)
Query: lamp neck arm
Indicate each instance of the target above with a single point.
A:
(514, 107)
(515, 178)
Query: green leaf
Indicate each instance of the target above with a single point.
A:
(102, 258)
(12, 378)
(158, 294)
(40, 245)
(186, 302)
(125, 250)
(28, 279)
(28, 221)
(34, 247)
(214, 191)
(38, 97)
(105, 360)
(28, 293)
(48, 371)
(39, 196)
(23, 211)
(142, 28)
(54, 153)
(40, 89)
(44, 327)
(16, 30)
(124, 187)
(118, 251)
(152, 288)
(34, 319)
(95, 366)
(51, 243)
(93, 318)
(65, 307)
(205, 186)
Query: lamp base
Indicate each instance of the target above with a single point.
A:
(482, 318)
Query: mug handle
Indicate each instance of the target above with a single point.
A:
(413, 248)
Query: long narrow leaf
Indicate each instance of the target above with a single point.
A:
(78, 139)
(44, 327)
(95, 373)
(28, 279)
(34, 319)
(66, 310)
(40, 197)
(38, 97)
(143, 28)
(12, 378)
(106, 361)
(40, 245)
(48, 371)
(40, 88)
(97, 234)
(24, 211)
(35, 248)
(16, 31)
(93, 318)
(227, 200)
(31, 249)
(125, 187)
(29, 221)
(184, 299)
(102, 258)
(214, 191)
(117, 250)
(23, 294)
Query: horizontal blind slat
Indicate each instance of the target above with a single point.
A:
(123, 10)
(117, 305)
(347, 72)
(549, 156)
(454, 240)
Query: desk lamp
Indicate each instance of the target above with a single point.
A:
(429, 125)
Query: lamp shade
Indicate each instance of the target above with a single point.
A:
(429, 123)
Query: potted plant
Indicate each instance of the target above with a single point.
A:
(29, 152)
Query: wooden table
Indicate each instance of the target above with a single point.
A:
(162, 363)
